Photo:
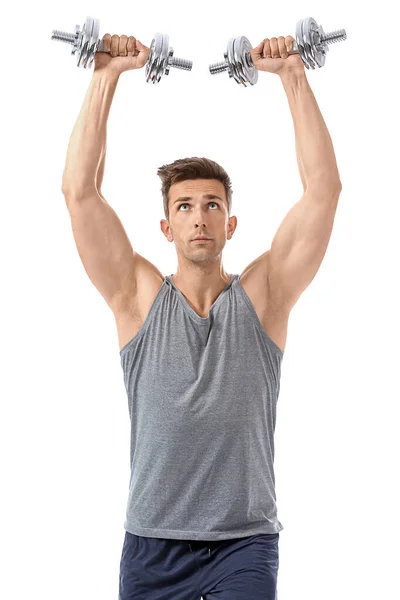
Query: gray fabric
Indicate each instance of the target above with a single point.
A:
(202, 396)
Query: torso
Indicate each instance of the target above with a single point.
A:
(272, 317)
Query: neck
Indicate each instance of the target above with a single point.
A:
(202, 289)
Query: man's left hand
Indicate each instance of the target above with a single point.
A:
(272, 55)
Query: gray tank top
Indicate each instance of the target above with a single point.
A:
(202, 395)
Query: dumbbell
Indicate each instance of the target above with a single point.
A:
(312, 43)
(86, 42)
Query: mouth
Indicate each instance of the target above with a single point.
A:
(201, 240)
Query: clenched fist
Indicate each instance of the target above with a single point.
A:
(272, 55)
(126, 53)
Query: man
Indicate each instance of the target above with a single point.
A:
(201, 350)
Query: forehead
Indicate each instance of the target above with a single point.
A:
(197, 187)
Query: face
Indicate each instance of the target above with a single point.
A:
(198, 207)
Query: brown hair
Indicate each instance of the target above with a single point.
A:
(192, 168)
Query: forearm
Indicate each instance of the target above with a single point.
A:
(86, 150)
(100, 171)
(314, 148)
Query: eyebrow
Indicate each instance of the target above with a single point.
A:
(206, 196)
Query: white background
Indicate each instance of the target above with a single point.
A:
(64, 415)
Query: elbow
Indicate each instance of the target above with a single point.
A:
(74, 191)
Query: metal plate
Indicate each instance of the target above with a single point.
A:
(237, 59)
(308, 41)
(313, 51)
(157, 60)
(247, 71)
(300, 42)
(85, 37)
(318, 49)
(94, 43)
(231, 61)
(155, 49)
(164, 56)
(241, 67)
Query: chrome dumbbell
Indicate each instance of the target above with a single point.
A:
(86, 42)
(312, 43)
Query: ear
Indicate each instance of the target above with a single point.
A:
(232, 224)
(166, 229)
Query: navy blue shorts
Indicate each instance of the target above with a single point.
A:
(166, 569)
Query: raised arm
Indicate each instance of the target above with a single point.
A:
(301, 241)
(103, 245)
(87, 145)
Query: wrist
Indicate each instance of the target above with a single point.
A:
(293, 74)
(107, 74)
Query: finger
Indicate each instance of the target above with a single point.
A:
(114, 45)
(282, 47)
(122, 45)
(274, 48)
(131, 47)
(267, 49)
(107, 42)
(289, 40)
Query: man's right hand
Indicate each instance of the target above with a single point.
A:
(122, 54)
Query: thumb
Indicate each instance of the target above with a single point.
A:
(141, 47)
(257, 51)
(144, 52)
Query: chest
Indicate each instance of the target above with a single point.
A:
(272, 318)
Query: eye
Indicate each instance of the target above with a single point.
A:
(188, 205)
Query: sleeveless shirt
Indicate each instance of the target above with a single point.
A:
(202, 395)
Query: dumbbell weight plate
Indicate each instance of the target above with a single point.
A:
(308, 34)
(246, 69)
(307, 41)
(158, 58)
(241, 66)
(317, 50)
(231, 61)
(299, 41)
(151, 65)
(90, 42)
(85, 36)
(93, 43)
(303, 38)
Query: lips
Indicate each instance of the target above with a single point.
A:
(201, 238)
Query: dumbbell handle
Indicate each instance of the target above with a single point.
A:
(100, 48)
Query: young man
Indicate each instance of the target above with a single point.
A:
(201, 350)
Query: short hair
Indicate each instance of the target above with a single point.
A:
(192, 168)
